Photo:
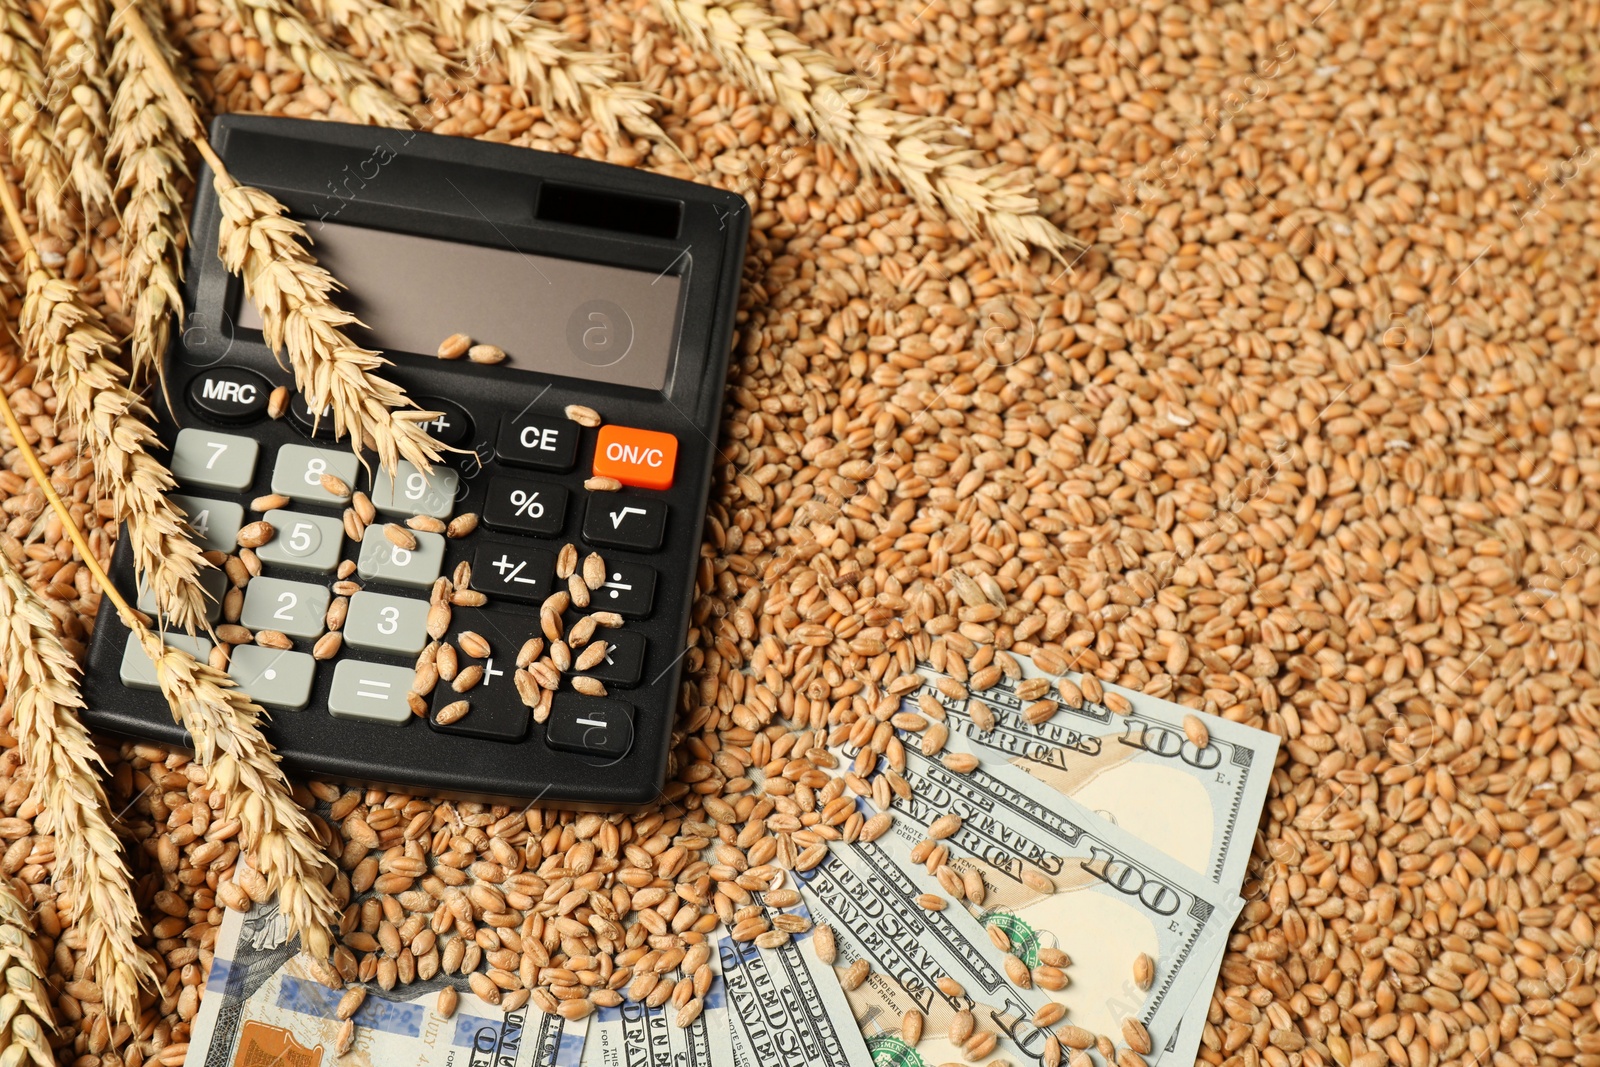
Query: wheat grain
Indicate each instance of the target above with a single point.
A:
(146, 147)
(29, 125)
(76, 354)
(24, 998)
(79, 93)
(41, 683)
(543, 60)
(278, 23)
(404, 39)
(923, 153)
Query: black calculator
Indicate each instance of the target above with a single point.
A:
(602, 303)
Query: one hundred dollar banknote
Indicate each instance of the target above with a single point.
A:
(787, 1006)
(1139, 770)
(1057, 875)
(633, 1035)
(262, 1006)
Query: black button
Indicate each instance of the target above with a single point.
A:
(629, 589)
(513, 571)
(452, 426)
(497, 711)
(589, 724)
(229, 394)
(538, 441)
(524, 505)
(624, 661)
(625, 521)
(300, 412)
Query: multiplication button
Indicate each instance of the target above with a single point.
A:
(513, 571)
(525, 506)
(623, 662)
(625, 521)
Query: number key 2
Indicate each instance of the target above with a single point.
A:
(524, 505)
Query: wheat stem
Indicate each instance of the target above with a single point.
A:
(268, 250)
(24, 108)
(224, 726)
(64, 768)
(24, 997)
(152, 173)
(279, 23)
(925, 154)
(543, 60)
(78, 356)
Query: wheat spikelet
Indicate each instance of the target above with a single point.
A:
(223, 723)
(147, 154)
(258, 242)
(922, 153)
(27, 118)
(76, 354)
(543, 60)
(78, 91)
(24, 997)
(405, 39)
(279, 23)
(63, 767)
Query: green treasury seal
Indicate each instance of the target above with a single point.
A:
(1025, 942)
(889, 1051)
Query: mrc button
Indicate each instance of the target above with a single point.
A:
(229, 394)
(640, 458)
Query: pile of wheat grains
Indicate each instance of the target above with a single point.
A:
(1306, 439)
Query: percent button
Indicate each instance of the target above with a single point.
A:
(525, 505)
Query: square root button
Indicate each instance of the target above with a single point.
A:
(641, 458)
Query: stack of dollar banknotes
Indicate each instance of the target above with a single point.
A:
(1111, 845)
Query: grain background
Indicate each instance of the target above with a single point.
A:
(1306, 438)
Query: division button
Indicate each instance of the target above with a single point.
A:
(272, 677)
(374, 692)
(214, 460)
(538, 441)
(589, 725)
(513, 571)
(229, 394)
(642, 458)
(629, 589)
(625, 521)
(525, 506)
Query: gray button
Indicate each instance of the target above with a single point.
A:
(215, 522)
(297, 473)
(375, 692)
(272, 677)
(386, 623)
(410, 492)
(383, 561)
(293, 608)
(212, 580)
(217, 460)
(310, 542)
(137, 670)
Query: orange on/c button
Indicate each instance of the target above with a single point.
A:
(641, 458)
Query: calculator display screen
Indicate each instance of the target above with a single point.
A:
(555, 316)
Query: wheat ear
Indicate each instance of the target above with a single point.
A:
(79, 92)
(543, 60)
(404, 38)
(24, 997)
(924, 154)
(152, 174)
(279, 23)
(64, 769)
(77, 356)
(267, 249)
(23, 108)
(224, 726)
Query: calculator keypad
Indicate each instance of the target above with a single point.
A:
(382, 623)
(384, 561)
(411, 492)
(293, 608)
(297, 473)
(625, 521)
(214, 460)
(302, 540)
(525, 506)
